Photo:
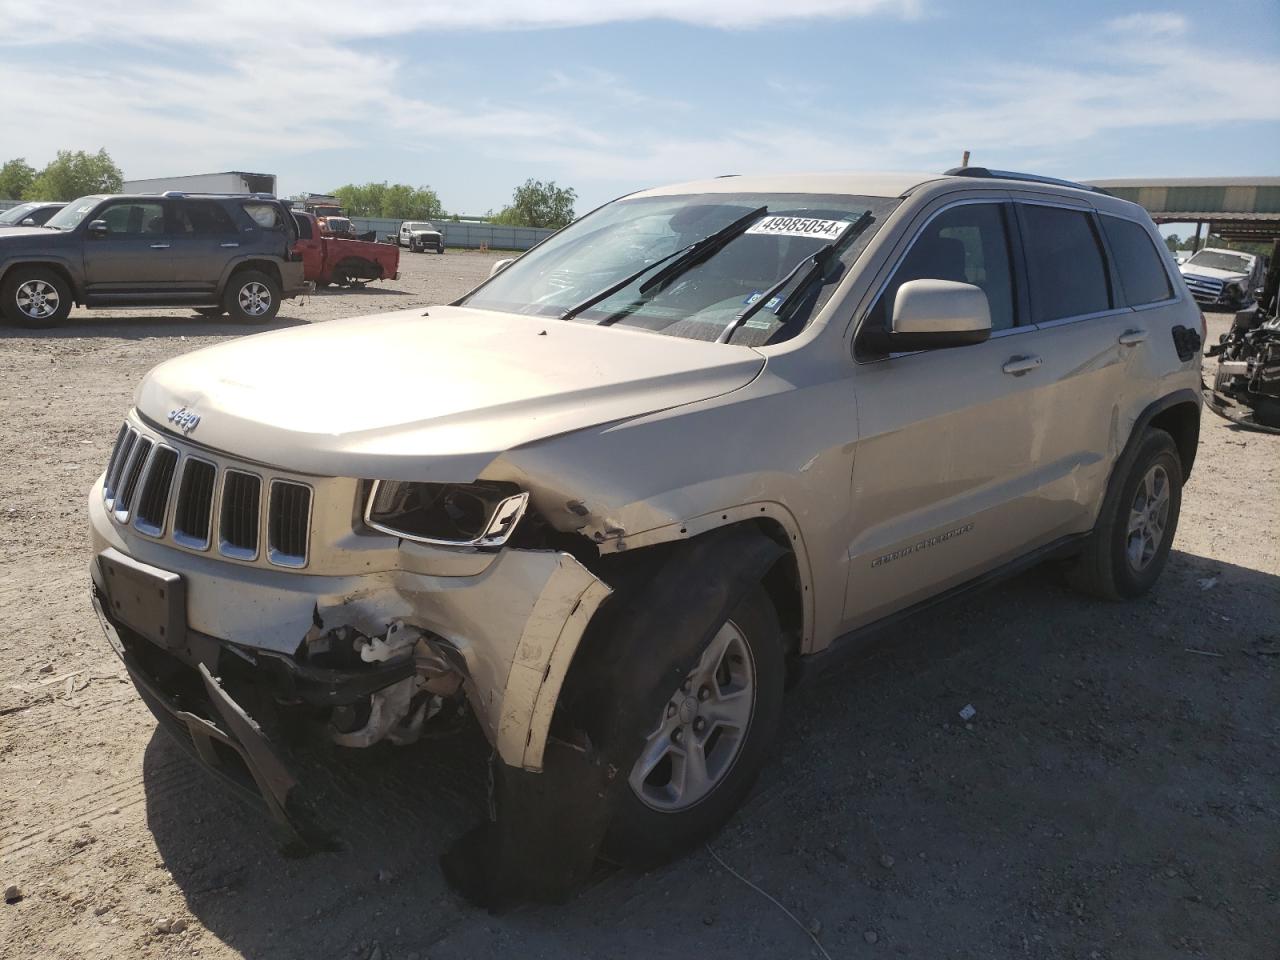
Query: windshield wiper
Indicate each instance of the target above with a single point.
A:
(817, 262)
(681, 259)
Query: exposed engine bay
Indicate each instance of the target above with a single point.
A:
(1246, 387)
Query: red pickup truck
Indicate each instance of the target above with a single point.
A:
(348, 263)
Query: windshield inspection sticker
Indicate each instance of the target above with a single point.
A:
(800, 227)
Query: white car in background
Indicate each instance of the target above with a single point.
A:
(420, 236)
(1222, 278)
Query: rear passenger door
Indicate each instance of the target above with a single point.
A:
(1086, 339)
(205, 239)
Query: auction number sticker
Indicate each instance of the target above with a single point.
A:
(800, 227)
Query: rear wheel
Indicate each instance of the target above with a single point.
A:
(708, 742)
(35, 297)
(252, 297)
(1130, 543)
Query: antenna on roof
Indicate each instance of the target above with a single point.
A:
(964, 161)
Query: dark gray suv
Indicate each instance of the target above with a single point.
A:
(215, 254)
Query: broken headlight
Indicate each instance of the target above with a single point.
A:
(480, 514)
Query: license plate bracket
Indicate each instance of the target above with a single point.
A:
(148, 600)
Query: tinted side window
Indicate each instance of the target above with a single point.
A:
(203, 216)
(968, 244)
(304, 227)
(1142, 274)
(133, 217)
(1064, 262)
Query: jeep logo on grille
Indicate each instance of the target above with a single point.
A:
(184, 419)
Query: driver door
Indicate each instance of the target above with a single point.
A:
(134, 259)
(945, 473)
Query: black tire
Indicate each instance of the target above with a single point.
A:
(1105, 567)
(642, 836)
(35, 297)
(243, 283)
(440, 249)
(211, 313)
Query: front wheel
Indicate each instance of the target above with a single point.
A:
(708, 742)
(252, 297)
(1130, 543)
(35, 297)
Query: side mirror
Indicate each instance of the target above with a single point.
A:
(98, 228)
(930, 314)
(29, 222)
(501, 265)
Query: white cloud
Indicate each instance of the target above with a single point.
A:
(24, 22)
(256, 90)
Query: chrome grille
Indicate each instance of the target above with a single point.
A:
(290, 518)
(147, 477)
(124, 447)
(153, 501)
(241, 493)
(1203, 286)
(129, 478)
(195, 504)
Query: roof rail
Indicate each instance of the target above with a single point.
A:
(984, 173)
(200, 193)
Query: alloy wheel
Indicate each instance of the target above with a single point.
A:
(1148, 517)
(37, 299)
(255, 298)
(702, 730)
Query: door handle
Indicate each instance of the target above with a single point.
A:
(159, 246)
(228, 244)
(1020, 365)
(1131, 338)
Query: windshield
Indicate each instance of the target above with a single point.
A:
(643, 244)
(419, 226)
(17, 214)
(70, 216)
(1220, 261)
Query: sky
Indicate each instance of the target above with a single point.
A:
(610, 96)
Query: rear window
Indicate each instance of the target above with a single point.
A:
(1142, 275)
(304, 227)
(1064, 262)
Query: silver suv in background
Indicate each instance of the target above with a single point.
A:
(1223, 278)
(614, 500)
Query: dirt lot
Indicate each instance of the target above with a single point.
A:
(1117, 794)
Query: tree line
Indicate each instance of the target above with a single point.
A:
(77, 173)
(66, 177)
(533, 203)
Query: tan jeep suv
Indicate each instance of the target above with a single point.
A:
(612, 501)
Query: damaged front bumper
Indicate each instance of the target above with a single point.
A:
(218, 649)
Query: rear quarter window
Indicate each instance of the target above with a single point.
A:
(1064, 262)
(265, 215)
(1142, 275)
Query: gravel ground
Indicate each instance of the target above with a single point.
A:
(1116, 795)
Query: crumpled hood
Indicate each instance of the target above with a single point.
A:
(408, 396)
(1213, 273)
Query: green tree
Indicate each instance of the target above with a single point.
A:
(74, 175)
(538, 204)
(397, 200)
(15, 179)
(1172, 242)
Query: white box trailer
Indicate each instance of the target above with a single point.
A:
(234, 181)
